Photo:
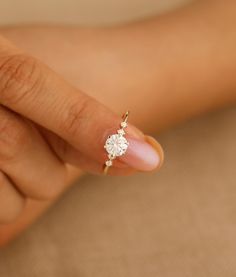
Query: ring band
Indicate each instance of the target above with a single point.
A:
(116, 144)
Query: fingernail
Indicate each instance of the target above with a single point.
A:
(156, 145)
(144, 155)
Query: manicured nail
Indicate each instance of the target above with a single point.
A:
(156, 145)
(144, 155)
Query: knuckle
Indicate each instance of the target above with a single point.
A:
(76, 117)
(20, 75)
(14, 139)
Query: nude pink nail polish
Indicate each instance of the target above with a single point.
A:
(141, 155)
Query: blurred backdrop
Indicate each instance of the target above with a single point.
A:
(179, 222)
(81, 11)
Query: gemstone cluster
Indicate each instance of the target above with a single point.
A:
(116, 144)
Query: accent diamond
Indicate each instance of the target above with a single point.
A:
(121, 132)
(123, 124)
(109, 163)
(116, 145)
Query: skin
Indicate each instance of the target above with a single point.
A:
(165, 70)
(47, 125)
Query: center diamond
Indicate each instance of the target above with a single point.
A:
(116, 145)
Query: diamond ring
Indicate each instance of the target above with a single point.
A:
(116, 144)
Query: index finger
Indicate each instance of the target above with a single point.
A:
(33, 90)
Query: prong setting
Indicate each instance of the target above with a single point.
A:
(116, 144)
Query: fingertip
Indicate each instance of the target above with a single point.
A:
(156, 145)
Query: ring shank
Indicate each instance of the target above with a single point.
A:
(105, 169)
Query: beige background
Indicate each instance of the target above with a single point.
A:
(178, 222)
(81, 11)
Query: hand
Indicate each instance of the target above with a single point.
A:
(47, 124)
